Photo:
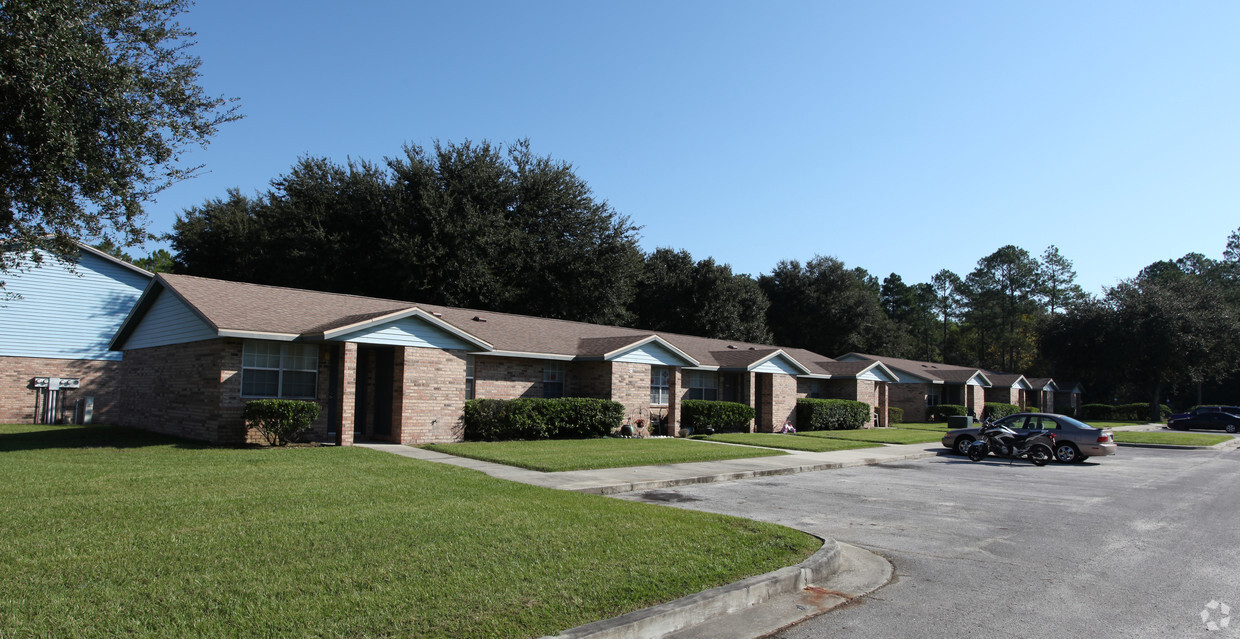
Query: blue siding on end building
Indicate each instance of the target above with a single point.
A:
(64, 314)
(168, 321)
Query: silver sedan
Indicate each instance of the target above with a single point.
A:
(1074, 440)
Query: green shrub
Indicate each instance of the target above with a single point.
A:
(537, 418)
(895, 415)
(999, 410)
(724, 417)
(1065, 409)
(831, 414)
(1105, 412)
(1138, 412)
(281, 421)
(941, 412)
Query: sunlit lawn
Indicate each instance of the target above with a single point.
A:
(111, 532)
(941, 427)
(880, 435)
(580, 454)
(1177, 439)
(790, 442)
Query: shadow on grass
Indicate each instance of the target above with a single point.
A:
(51, 437)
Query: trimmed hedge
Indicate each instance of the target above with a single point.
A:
(895, 415)
(999, 410)
(1065, 409)
(281, 421)
(1122, 413)
(1103, 412)
(536, 418)
(831, 414)
(941, 412)
(724, 417)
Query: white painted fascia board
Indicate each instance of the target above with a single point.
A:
(814, 376)
(272, 337)
(1022, 384)
(652, 338)
(521, 355)
(778, 353)
(703, 368)
(984, 383)
(402, 314)
(892, 378)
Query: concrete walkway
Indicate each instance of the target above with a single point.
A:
(608, 481)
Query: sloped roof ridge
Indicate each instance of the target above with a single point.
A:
(291, 289)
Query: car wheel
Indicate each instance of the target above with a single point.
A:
(1067, 453)
(1231, 428)
(961, 445)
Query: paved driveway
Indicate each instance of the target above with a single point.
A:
(1134, 545)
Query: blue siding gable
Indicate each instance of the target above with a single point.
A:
(408, 331)
(777, 365)
(66, 313)
(654, 354)
(168, 321)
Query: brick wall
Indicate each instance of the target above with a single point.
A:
(100, 379)
(783, 400)
(911, 398)
(431, 404)
(1005, 395)
(630, 385)
(508, 377)
(194, 390)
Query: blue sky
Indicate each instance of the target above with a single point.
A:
(901, 137)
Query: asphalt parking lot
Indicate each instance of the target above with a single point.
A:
(1133, 545)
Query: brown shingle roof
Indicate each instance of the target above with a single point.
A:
(239, 306)
(933, 371)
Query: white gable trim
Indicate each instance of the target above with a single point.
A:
(399, 315)
(779, 354)
(686, 359)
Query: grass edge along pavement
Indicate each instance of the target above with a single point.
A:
(557, 455)
(1169, 439)
(789, 441)
(879, 435)
(111, 531)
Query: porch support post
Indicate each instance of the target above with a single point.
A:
(347, 398)
(673, 401)
(399, 355)
(883, 416)
(748, 393)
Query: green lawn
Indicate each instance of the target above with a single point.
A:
(941, 427)
(1102, 424)
(880, 435)
(581, 454)
(791, 442)
(109, 532)
(1178, 439)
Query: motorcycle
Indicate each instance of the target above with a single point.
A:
(1038, 445)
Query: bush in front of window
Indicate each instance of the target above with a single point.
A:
(724, 417)
(941, 412)
(998, 410)
(1098, 411)
(1138, 412)
(281, 421)
(895, 415)
(534, 418)
(831, 414)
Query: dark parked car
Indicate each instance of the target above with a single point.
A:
(1206, 420)
(1201, 410)
(1074, 440)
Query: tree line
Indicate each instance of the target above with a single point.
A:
(497, 228)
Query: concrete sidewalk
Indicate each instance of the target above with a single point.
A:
(608, 481)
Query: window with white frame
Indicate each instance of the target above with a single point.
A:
(660, 381)
(553, 380)
(703, 385)
(469, 377)
(279, 369)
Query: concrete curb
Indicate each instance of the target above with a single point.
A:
(655, 484)
(691, 610)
